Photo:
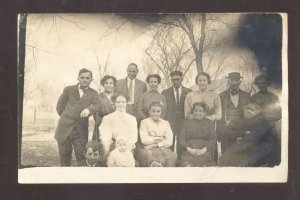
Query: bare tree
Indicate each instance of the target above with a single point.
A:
(101, 69)
(200, 30)
(168, 52)
(250, 70)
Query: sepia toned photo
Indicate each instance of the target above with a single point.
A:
(153, 98)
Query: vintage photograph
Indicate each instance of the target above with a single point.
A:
(202, 96)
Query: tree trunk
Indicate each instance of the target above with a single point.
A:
(34, 115)
(199, 56)
(199, 62)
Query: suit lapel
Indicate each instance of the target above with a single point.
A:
(76, 92)
(136, 85)
(125, 86)
(183, 93)
(171, 93)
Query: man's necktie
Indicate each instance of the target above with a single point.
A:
(177, 96)
(83, 89)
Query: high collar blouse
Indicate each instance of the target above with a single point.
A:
(211, 99)
(118, 124)
(151, 130)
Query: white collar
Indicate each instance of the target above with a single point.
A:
(89, 164)
(128, 79)
(156, 122)
(83, 88)
(179, 89)
(120, 112)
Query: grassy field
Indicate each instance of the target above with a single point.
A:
(39, 148)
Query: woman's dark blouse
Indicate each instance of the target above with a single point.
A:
(103, 107)
(197, 134)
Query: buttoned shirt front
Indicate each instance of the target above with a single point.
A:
(179, 93)
(131, 101)
(235, 99)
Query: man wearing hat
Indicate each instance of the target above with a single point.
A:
(232, 102)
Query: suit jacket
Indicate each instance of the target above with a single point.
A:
(229, 113)
(140, 87)
(175, 111)
(69, 107)
(226, 103)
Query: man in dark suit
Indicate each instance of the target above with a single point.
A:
(233, 101)
(131, 87)
(73, 108)
(175, 97)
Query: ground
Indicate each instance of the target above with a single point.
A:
(38, 147)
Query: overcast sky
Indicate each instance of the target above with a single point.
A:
(66, 43)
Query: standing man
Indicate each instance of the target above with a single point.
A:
(131, 87)
(233, 101)
(268, 101)
(73, 108)
(175, 97)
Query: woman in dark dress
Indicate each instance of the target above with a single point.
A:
(256, 141)
(105, 105)
(197, 138)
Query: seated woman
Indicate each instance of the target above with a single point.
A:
(197, 139)
(156, 137)
(256, 144)
(118, 124)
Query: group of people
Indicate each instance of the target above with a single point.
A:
(140, 127)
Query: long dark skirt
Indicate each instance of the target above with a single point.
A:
(253, 156)
(204, 160)
(164, 156)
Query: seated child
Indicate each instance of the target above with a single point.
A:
(93, 156)
(121, 156)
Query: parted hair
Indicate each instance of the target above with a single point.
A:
(106, 77)
(115, 96)
(176, 73)
(84, 70)
(154, 76)
(201, 104)
(155, 104)
(203, 74)
(94, 145)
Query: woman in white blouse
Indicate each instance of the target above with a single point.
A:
(210, 98)
(119, 123)
(157, 137)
